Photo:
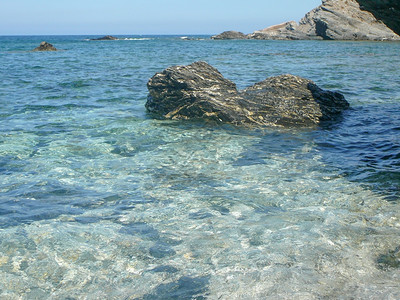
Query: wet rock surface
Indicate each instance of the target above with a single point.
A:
(45, 46)
(389, 260)
(199, 91)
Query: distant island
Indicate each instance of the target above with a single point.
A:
(105, 38)
(375, 20)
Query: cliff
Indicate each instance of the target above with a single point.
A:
(344, 20)
(376, 20)
(388, 11)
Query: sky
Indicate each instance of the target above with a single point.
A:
(100, 17)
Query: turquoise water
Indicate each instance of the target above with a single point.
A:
(100, 201)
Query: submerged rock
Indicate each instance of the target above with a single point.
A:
(105, 38)
(230, 35)
(199, 91)
(45, 46)
(340, 20)
(390, 259)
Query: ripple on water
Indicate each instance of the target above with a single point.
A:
(98, 200)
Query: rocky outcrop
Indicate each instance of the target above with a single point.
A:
(230, 35)
(193, 92)
(344, 20)
(376, 20)
(284, 31)
(199, 91)
(105, 38)
(45, 46)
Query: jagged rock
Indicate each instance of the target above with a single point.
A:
(199, 91)
(45, 46)
(230, 35)
(284, 31)
(194, 91)
(341, 20)
(105, 38)
(344, 20)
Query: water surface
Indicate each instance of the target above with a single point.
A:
(98, 200)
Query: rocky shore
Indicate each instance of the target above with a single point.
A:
(337, 20)
(199, 91)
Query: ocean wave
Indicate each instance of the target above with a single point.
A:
(186, 38)
(128, 39)
(136, 39)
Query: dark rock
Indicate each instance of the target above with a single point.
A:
(291, 100)
(161, 250)
(390, 259)
(45, 46)
(165, 269)
(185, 288)
(199, 91)
(141, 229)
(105, 38)
(387, 11)
(194, 91)
(230, 35)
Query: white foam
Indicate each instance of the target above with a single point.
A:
(137, 39)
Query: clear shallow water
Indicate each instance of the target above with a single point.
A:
(98, 200)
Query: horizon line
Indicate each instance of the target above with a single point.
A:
(119, 34)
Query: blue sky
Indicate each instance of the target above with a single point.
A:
(146, 16)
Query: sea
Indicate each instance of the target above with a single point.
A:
(99, 200)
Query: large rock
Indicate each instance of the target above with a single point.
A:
(284, 31)
(45, 46)
(194, 91)
(376, 20)
(199, 91)
(230, 35)
(344, 20)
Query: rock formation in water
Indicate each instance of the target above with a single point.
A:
(105, 38)
(284, 31)
(199, 91)
(45, 46)
(344, 20)
(341, 20)
(230, 35)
